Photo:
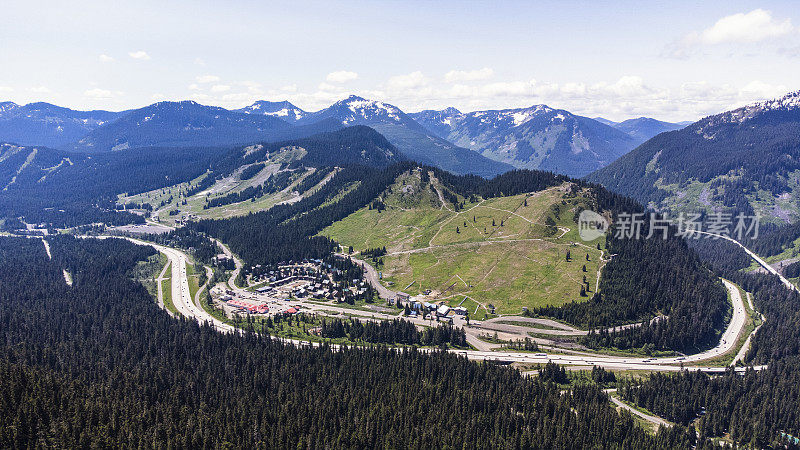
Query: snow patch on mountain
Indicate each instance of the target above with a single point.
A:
(788, 102)
(8, 106)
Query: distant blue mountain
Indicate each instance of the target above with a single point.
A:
(414, 140)
(48, 125)
(186, 123)
(644, 128)
(537, 137)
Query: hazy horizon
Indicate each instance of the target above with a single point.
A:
(673, 62)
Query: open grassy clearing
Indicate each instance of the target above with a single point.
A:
(499, 251)
(146, 272)
(194, 279)
(532, 325)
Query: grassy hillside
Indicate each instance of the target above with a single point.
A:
(498, 251)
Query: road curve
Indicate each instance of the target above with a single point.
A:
(181, 296)
(755, 257)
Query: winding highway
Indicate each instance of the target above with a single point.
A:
(181, 297)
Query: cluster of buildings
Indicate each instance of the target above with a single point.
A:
(429, 310)
(249, 306)
(243, 304)
(306, 280)
(310, 279)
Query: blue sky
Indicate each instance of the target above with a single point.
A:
(669, 60)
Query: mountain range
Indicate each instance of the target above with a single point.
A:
(484, 143)
(744, 160)
(537, 137)
(48, 125)
(411, 138)
(187, 123)
(643, 128)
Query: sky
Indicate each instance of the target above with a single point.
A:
(670, 60)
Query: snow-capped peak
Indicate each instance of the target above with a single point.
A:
(283, 109)
(510, 117)
(361, 108)
(788, 102)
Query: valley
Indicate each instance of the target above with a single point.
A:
(187, 305)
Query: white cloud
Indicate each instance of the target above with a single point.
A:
(326, 87)
(623, 98)
(139, 54)
(207, 78)
(194, 87)
(409, 81)
(341, 76)
(6, 89)
(755, 26)
(457, 76)
(40, 90)
(759, 90)
(105, 58)
(791, 52)
(98, 94)
(220, 88)
(199, 62)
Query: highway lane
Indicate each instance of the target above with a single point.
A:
(746, 346)
(159, 285)
(181, 296)
(236, 262)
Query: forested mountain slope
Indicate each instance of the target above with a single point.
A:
(746, 160)
(39, 183)
(758, 409)
(48, 125)
(66, 189)
(643, 128)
